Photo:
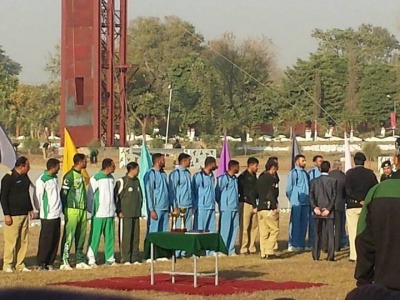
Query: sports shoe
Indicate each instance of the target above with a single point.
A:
(127, 263)
(233, 254)
(24, 270)
(93, 266)
(308, 249)
(137, 263)
(295, 249)
(65, 267)
(148, 261)
(8, 270)
(50, 268)
(112, 264)
(82, 266)
(42, 268)
(162, 259)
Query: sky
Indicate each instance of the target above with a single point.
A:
(30, 29)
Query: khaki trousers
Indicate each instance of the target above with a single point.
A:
(352, 216)
(16, 242)
(248, 228)
(269, 231)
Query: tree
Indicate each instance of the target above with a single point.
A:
(155, 46)
(242, 95)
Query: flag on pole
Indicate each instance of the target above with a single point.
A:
(68, 158)
(145, 164)
(295, 150)
(347, 155)
(224, 158)
(8, 156)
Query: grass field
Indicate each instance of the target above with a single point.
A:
(337, 276)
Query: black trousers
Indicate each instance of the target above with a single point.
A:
(323, 227)
(48, 241)
(338, 229)
(129, 237)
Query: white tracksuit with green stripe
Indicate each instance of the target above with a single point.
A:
(101, 204)
(47, 196)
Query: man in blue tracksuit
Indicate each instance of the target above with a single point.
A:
(180, 192)
(203, 184)
(312, 174)
(158, 205)
(227, 195)
(297, 191)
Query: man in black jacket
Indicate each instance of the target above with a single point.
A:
(358, 182)
(340, 203)
(267, 210)
(378, 267)
(322, 200)
(17, 209)
(129, 207)
(248, 209)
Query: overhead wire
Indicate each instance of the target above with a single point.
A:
(263, 84)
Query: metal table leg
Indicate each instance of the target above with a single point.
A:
(195, 271)
(173, 267)
(152, 264)
(216, 268)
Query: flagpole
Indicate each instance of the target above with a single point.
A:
(169, 113)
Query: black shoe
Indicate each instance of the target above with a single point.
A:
(272, 256)
(332, 259)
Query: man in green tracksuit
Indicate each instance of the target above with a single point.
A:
(101, 204)
(129, 207)
(74, 203)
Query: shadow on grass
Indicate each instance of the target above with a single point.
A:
(235, 274)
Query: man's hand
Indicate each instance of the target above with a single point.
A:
(8, 220)
(176, 210)
(325, 213)
(153, 215)
(255, 210)
(31, 215)
(120, 215)
(362, 202)
(317, 211)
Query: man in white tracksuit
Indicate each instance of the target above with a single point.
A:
(101, 204)
(47, 201)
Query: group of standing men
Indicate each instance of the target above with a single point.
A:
(102, 199)
(322, 200)
(239, 200)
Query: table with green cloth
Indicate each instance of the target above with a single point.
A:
(164, 244)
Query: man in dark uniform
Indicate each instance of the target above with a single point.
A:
(322, 200)
(387, 170)
(247, 183)
(129, 207)
(340, 202)
(378, 269)
(358, 182)
(267, 210)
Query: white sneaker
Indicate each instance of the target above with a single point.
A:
(82, 266)
(162, 259)
(8, 270)
(148, 261)
(93, 266)
(110, 264)
(137, 263)
(295, 249)
(65, 268)
(233, 254)
(24, 270)
(127, 263)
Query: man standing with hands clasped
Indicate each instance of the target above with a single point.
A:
(322, 199)
(17, 209)
(129, 207)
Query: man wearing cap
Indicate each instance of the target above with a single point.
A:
(358, 182)
(387, 170)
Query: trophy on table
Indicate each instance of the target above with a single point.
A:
(182, 213)
(174, 215)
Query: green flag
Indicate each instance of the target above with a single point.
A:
(145, 164)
